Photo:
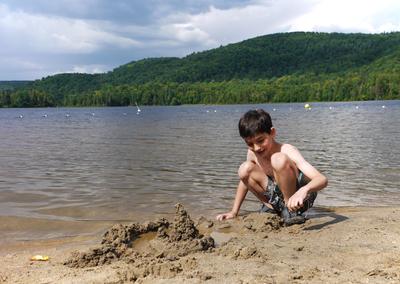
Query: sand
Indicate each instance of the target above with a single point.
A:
(336, 245)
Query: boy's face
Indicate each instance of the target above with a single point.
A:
(261, 143)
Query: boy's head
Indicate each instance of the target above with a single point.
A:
(255, 122)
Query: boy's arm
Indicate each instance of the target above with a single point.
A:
(317, 180)
(241, 192)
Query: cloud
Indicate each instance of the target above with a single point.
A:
(135, 12)
(20, 68)
(13, 62)
(224, 26)
(221, 26)
(90, 69)
(367, 16)
(36, 33)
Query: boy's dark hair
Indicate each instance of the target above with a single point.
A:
(254, 122)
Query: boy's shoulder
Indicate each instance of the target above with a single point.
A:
(292, 152)
(288, 148)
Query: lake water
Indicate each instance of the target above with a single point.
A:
(112, 164)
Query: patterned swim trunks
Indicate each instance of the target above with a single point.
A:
(275, 196)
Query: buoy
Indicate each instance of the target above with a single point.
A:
(138, 108)
(307, 106)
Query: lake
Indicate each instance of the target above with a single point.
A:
(114, 164)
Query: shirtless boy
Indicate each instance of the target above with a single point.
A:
(277, 174)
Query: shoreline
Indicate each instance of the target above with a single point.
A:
(18, 229)
(342, 244)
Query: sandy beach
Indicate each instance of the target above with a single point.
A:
(335, 245)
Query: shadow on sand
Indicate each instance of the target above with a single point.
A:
(317, 213)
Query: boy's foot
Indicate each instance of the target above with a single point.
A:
(265, 209)
(291, 218)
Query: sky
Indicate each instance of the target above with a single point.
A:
(39, 38)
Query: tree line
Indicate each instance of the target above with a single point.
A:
(291, 88)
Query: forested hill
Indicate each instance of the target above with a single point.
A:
(296, 66)
(12, 85)
(264, 57)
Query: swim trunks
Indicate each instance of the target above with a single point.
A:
(275, 196)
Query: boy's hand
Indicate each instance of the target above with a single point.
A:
(296, 200)
(225, 216)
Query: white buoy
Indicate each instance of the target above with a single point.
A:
(20, 116)
(274, 109)
(44, 115)
(138, 108)
(383, 106)
(330, 107)
(307, 106)
(67, 115)
(357, 107)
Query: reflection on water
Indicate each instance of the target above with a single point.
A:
(110, 163)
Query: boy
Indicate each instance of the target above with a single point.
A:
(277, 174)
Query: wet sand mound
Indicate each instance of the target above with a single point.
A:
(262, 222)
(161, 241)
(229, 237)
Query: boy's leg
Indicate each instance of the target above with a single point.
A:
(285, 174)
(255, 179)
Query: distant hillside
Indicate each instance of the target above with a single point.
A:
(296, 66)
(264, 57)
(12, 85)
(68, 83)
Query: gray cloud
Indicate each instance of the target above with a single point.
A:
(131, 11)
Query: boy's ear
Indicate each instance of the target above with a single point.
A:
(273, 132)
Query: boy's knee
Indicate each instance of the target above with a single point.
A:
(245, 170)
(280, 161)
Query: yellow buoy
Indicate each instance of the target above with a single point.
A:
(307, 106)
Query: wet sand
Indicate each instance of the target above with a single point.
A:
(336, 245)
